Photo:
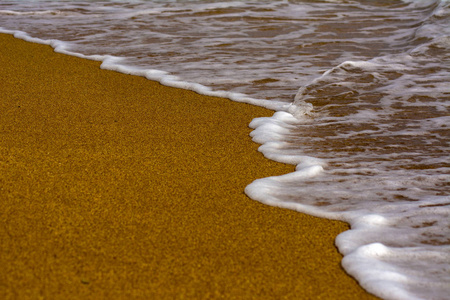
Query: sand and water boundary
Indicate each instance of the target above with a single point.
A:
(116, 187)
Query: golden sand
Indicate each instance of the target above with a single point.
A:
(116, 187)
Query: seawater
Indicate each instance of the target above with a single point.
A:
(361, 91)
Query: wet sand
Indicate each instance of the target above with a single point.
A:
(116, 187)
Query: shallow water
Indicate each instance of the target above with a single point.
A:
(361, 90)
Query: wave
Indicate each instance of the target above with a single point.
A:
(367, 130)
(377, 130)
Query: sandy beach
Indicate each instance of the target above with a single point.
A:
(116, 187)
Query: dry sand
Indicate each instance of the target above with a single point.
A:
(116, 187)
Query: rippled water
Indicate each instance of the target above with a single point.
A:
(361, 90)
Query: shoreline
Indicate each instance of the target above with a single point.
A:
(115, 186)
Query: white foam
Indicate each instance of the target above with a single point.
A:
(30, 13)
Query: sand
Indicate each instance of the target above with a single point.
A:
(116, 187)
